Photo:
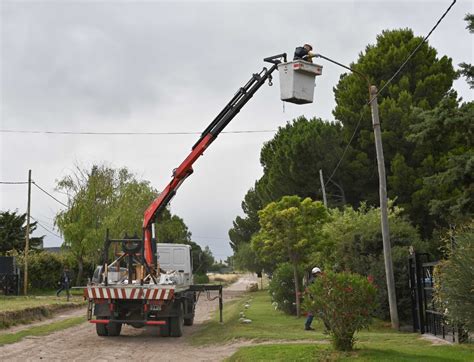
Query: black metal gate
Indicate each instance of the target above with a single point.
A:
(426, 319)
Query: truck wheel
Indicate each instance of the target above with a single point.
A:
(114, 329)
(189, 321)
(165, 330)
(177, 323)
(101, 330)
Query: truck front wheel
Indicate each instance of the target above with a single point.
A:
(189, 321)
(177, 323)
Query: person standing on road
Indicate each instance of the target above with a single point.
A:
(315, 272)
(65, 283)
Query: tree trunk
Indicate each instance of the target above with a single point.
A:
(297, 289)
(80, 269)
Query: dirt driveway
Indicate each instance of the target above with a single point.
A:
(81, 343)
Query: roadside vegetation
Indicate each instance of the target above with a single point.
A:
(23, 310)
(281, 337)
(428, 148)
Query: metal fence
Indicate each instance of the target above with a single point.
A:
(426, 317)
(10, 284)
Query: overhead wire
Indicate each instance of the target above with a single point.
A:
(126, 133)
(13, 182)
(45, 228)
(400, 68)
(415, 50)
(47, 193)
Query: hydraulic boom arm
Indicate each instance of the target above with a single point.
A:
(185, 169)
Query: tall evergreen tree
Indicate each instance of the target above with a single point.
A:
(13, 232)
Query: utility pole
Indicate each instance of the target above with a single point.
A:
(27, 237)
(387, 250)
(323, 188)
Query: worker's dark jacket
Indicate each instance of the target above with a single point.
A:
(65, 280)
(300, 52)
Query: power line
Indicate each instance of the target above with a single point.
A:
(416, 49)
(388, 82)
(345, 150)
(45, 228)
(13, 182)
(91, 133)
(47, 193)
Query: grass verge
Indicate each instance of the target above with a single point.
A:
(16, 310)
(380, 342)
(40, 330)
(267, 323)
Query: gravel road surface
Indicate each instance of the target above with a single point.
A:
(80, 343)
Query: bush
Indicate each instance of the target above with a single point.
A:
(454, 280)
(201, 279)
(282, 288)
(45, 268)
(345, 302)
(354, 243)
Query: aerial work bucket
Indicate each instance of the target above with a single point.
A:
(297, 80)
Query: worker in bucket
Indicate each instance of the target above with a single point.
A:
(315, 272)
(304, 53)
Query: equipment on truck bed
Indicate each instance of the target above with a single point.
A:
(141, 287)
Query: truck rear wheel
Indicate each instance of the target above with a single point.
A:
(101, 330)
(114, 329)
(177, 323)
(165, 330)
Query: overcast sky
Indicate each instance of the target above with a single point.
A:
(150, 66)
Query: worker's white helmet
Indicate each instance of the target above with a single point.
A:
(315, 270)
(309, 46)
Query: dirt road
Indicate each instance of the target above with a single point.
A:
(81, 343)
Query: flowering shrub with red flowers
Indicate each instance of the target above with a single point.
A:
(345, 302)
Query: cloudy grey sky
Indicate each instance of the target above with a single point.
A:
(151, 66)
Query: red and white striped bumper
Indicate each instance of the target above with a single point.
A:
(135, 293)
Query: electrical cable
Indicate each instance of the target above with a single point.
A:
(126, 133)
(45, 228)
(414, 51)
(388, 82)
(47, 193)
(345, 150)
(13, 182)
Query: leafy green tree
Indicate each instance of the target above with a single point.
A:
(244, 228)
(13, 232)
(422, 84)
(99, 199)
(454, 278)
(443, 136)
(290, 230)
(353, 243)
(467, 70)
(291, 163)
(292, 159)
(245, 258)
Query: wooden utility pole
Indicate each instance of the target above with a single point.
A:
(27, 237)
(323, 188)
(387, 250)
